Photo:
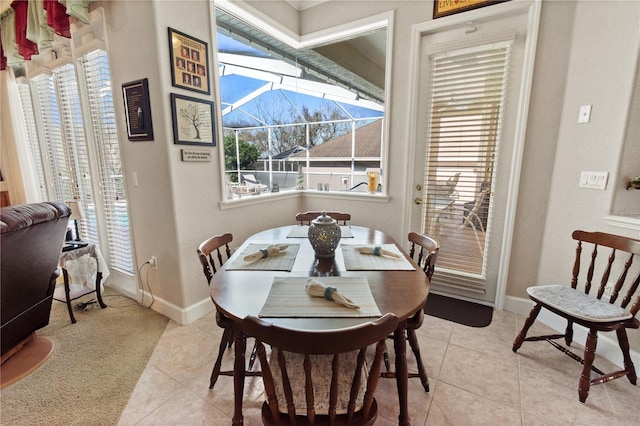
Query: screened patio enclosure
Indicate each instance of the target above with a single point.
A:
(281, 105)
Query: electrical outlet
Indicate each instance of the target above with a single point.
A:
(153, 262)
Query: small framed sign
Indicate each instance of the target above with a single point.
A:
(195, 155)
(138, 110)
(449, 7)
(189, 62)
(192, 121)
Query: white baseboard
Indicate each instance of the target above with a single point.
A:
(182, 316)
(607, 345)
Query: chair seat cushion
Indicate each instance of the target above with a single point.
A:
(321, 377)
(577, 304)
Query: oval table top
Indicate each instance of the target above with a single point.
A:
(239, 293)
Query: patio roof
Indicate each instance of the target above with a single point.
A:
(266, 82)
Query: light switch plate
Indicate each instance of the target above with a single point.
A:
(593, 180)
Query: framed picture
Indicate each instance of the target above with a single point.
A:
(449, 7)
(189, 62)
(192, 121)
(138, 110)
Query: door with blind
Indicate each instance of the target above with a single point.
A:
(470, 77)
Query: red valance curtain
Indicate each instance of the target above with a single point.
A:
(28, 26)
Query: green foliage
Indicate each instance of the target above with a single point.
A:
(248, 156)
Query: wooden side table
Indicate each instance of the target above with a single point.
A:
(85, 261)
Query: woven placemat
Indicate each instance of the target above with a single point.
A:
(288, 298)
(283, 262)
(356, 261)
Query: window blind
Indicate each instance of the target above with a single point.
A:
(57, 170)
(75, 147)
(32, 137)
(467, 99)
(94, 69)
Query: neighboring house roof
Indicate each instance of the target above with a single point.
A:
(368, 143)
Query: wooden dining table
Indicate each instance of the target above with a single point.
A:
(239, 293)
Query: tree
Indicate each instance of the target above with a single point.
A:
(191, 114)
(249, 154)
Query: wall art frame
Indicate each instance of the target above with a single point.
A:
(449, 7)
(137, 108)
(193, 121)
(189, 62)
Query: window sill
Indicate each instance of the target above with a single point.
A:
(247, 200)
(624, 222)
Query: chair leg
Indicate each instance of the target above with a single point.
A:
(422, 372)
(589, 356)
(527, 324)
(568, 333)
(252, 358)
(227, 337)
(623, 340)
(385, 357)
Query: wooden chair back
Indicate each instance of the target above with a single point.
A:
(427, 254)
(212, 249)
(307, 350)
(306, 217)
(621, 246)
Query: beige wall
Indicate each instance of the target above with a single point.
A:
(581, 46)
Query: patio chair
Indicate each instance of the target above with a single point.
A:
(253, 184)
(470, 217)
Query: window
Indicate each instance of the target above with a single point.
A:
(296, 114)
(78, 156)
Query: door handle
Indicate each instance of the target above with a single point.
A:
(418, 200)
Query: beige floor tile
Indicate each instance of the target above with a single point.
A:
(153, 389)
(454, 406)
(494, 378)
(474, 377)
(185, 408)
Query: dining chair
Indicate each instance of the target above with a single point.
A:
(424, 251)
(319, 376)
(306, 217)
(611, 254)
(213, 252)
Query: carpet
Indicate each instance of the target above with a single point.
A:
(94, 367)
(459, 311)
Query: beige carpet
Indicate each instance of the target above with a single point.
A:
(94, 367)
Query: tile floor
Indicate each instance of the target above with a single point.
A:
(475, 379)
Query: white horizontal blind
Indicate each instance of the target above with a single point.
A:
(32, 137)
(76, 147)
(60, 185)
(468, 90)
(95, 74)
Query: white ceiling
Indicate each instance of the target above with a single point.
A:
(304, 4)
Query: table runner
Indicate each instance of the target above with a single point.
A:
(288, 298)
(356, 261)
(302, 231)
(283, 262)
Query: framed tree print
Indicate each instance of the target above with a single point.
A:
(189, 62)
(193, 121)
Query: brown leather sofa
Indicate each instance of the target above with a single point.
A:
(31, 240)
